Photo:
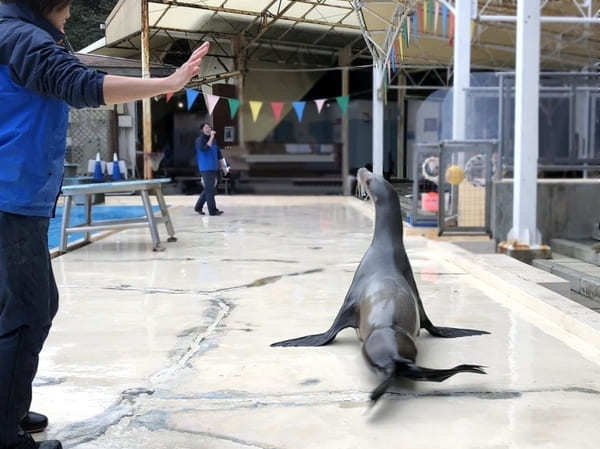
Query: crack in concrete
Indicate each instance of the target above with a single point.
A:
(229, 400)
(260, 260)
(223, 437)
(42, 381)
(156, 420)
(93, 428)
(199, 344)
(119, 261)
(177, 291)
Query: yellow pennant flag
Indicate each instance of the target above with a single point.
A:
(425, 16)
(255, 107)
(401, 47)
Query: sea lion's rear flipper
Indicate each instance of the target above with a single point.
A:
(407, 368)
(451, 332)
(415, 372)
(345, 318)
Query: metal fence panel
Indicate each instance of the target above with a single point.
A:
(465, 185)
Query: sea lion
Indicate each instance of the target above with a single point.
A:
(383, 302)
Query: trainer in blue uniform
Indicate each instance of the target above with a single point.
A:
(208, 156)
(39, 79)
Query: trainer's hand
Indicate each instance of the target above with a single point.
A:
(191, 68)
(213, 133)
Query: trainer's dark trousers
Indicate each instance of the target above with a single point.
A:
(208, 194)
(28, 303)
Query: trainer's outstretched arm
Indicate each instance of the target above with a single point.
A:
(122, 89)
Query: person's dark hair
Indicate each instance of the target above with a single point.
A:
(41, 6)
(204, 124)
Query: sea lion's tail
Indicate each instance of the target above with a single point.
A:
(406, 368)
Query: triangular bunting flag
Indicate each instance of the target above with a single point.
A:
(425, 16)
(415, 29)
(169, 96)
(211, 102)
(255, 107)
(420, 17)
(451, 30)
(401, 45)
(277, 107)
(431, 14)
(320, 104)
(234, 104)
(343, 102)
(444, 21)
(299, 108)
(191, 97)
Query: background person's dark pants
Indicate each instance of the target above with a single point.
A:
(208, 194)
(28, 303)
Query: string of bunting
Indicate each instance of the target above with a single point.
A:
(429, 15)
(256, 106)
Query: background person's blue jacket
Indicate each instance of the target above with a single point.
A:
(207, 156)
(38, 80)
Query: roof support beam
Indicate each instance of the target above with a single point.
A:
(243, 12)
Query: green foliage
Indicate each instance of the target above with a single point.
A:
(83, 28)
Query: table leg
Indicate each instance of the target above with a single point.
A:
(88, 215)
(66, 219)
(151, 222)
(165, 213)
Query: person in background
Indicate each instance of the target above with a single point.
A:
(209, 158)
(39, 80)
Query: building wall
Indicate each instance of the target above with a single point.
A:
(567, 208)
(90, 131)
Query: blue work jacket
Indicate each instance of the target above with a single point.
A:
(39, 78)
(207, 156)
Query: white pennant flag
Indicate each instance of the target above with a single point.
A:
(320, 104)
(211, 102)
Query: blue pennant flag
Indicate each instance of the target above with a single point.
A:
(299, 108)
(444, 21)
(415, 22)
(191, 97)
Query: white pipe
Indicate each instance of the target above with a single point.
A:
(462, 68)
(527, 95)
(378, 118)
(544, 19)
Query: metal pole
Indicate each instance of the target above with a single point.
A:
(400, 150)
(345, 59)
(146, 105)
(462, 67)
(378, 117)
(239, 52)
(526, 124)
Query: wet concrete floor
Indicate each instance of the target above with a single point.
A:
(171, 350)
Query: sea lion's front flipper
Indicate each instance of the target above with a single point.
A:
(451, 332)
(345, 318)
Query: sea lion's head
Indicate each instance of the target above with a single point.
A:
(379, 190)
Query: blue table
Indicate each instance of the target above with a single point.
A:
(145, 188)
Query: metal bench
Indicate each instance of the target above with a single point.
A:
(145, 188)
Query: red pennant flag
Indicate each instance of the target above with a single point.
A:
(169, 96)
(420, 18)
(451, 31)
(277, 107)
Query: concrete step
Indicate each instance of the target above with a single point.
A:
(583, 277)
(585, 250)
